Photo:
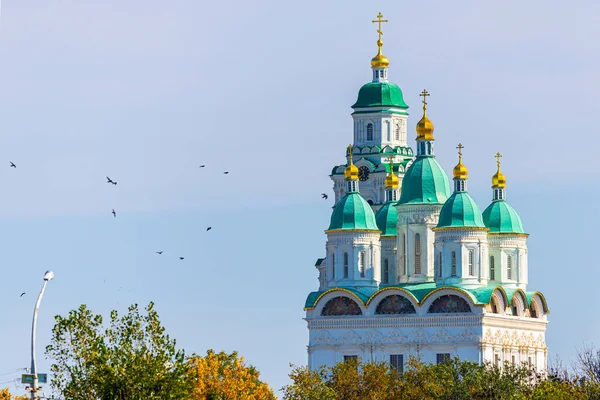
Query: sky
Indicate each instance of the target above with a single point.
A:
(146, 91)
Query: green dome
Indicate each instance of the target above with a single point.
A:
(500, 217)
(380, 94)
(386, 218)
(425, 182)
(460, 210)
(353, 212)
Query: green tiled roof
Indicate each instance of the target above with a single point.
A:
(380, 94)
(425, 182)
(500, 217)
(386, 218)
(460, 210)
(353, 212)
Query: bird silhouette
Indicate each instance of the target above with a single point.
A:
(181, 258)
(108, 180)
(12, 164)
(22, 294)
(202, 166)
(226, 172)
(209, 228)
(159, 252)
(114, 213)
(324, 195)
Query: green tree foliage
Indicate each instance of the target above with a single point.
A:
(132, 358)
(6, 395)
(451, 380)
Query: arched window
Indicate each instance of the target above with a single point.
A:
(440, 262)
(471, 267)
(417, 253)
(397, 132)
(345, 265)
(369, 132)
(388, 131)
(333, 266)
(341, 306)
(449, 304)
(492, 268)
(361, 264)
(395, 304)
(386, 271)
(403, 254)
(453, 264)
(508, 267)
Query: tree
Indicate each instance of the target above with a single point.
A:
(222, 376)
(6, 395)
(133, 358)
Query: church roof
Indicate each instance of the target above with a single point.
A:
(353, 212)
(500, 217)
(380, 94)
(460, 211)
(387, 218)
(425, 182)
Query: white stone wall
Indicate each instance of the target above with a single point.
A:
(388, 252)
(356, 244)
(461, 242)
(381, 135)
(503, 246)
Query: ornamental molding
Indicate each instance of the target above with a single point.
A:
(395, 337)
(513, 338)
(507, 241)
(417, 216)
(461, 235)
(395, 322)
(346, 237)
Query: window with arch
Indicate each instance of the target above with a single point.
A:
(333, 266)
(508, 267)
(361, 264)
(395, 304)
(369, 132)
(403, 254)
(449, 303)
(397, 132)
(440, 264)
(417, 253)
(471, 267)
(386, 271)
(492, 268)
(453, 264)
(341, 306)
(388, 131)
(345, 265)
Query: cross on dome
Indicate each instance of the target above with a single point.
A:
(460, 147)
(379, 20)
(424, 94)
(379, 61)
(498, 157)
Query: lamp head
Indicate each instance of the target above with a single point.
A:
(48, 276)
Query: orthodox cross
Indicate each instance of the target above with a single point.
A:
(391, 164)
(379, 20)
(498, 157)
(349, 149)
(424, 94)
(460, 147)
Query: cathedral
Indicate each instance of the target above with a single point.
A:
(412, 265)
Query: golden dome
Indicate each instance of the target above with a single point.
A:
(425, 126)
(380, 61)
(460, 171)
(499, 179)
(351, 172)
(392, 181)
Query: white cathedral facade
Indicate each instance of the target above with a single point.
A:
(413, 267)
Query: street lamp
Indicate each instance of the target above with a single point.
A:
(48, 276)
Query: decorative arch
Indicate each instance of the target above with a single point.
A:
(542, 299)
(398, 290)
(518, 303)
(370, 131)
(395, 304)
(537, 306)
(449, 303)
(330, 293)
(341, 305)
(500, 298)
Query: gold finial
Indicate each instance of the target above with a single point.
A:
(379, 61)
(351, 172)
(392, 181)
(460, 171)
(498, 180)
(425, 126)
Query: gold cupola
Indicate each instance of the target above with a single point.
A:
(499, 179)
(392, 181)
(425, 126)
(460, 171)
(380, 61)
(351, 172)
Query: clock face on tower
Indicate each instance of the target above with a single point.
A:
(363, 173)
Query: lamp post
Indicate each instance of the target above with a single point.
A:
(48, 276)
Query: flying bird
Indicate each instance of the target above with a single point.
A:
(108, 180)
(202, 166)
(114, 213)
(12, 164)
(209, 228)
(159, 252)
(226, 172)
(181, 258)
(324, 195)
(22, 294)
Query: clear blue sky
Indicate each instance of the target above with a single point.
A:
(145, 91)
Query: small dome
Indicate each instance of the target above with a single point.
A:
(425, 128)
(353, 212)
(392, 181)
(425, 182)
(460, 171)
(500, 217)
(499, 180)
(387, 218)
(460, 210)
(380, 61)
(351, 172)
(380, 94)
